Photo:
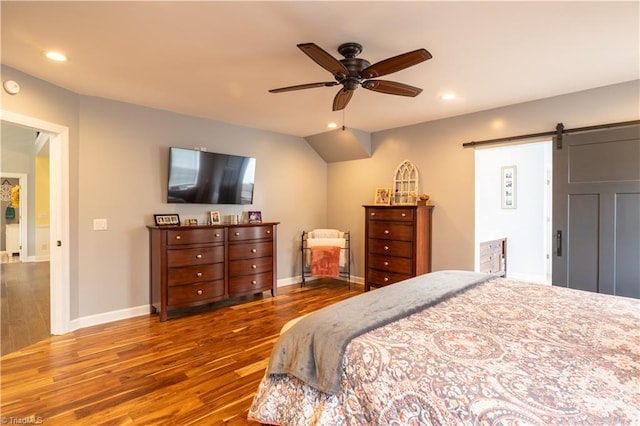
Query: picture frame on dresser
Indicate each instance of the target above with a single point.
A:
(255, 216)
(382, 197)
(214, 218)
(171, 219)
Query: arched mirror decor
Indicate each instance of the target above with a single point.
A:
(405, 184)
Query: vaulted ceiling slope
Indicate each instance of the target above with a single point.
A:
(219, 59)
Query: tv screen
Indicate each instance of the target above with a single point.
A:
(201, 177)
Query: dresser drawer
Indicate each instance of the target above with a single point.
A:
(391, 214)
(376, 278)
(250, 250)
(490, 248)
(194, 274)
(195, 256)
(195, 236)
(391, 230)
(196, 293)
(250, 233)
(250, 284)
(399, 265)
(250, 266)
(390, 247)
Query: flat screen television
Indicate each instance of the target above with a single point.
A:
(201, 177)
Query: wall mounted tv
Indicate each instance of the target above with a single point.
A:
(201, 177)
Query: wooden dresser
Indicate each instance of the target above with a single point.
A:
(493, 257)
(397, 243)
(197, 265)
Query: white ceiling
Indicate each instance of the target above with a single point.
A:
(219, 59)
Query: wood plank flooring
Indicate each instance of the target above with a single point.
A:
(25, 300)
(203, 367)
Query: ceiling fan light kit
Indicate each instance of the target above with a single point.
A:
(352, 72)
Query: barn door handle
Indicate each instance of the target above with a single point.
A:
(558, 242)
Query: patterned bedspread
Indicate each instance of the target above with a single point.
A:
(502, 353)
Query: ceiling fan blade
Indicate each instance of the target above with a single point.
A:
(391, 88)
(396, 63)
(324, 59)
(342, 99)
(304, 86)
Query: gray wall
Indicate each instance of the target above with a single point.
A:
(447, 169)
(118, 161)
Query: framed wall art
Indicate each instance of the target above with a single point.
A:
(508, 187)
(167, 219)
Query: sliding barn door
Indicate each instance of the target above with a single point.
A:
(596, 211)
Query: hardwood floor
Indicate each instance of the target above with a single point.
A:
(202, 368)
(25, 309)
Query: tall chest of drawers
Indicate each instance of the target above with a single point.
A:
(397, 243)
(198, 265)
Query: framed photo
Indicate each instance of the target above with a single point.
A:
(166, 219)
(508, 187)
(214, 218)
(382, 196)
(255, 217)
(191, 222)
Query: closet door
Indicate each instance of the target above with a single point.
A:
(596, 211)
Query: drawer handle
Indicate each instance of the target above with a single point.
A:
(373, 214)
(178, 237)
(254, 266)
(268, 232)
(217, 235)
(386, 263)
(198, 256)
(254, 282)
(386, 231)
(386, 247)
(198, 274)
(253, 250)
(199, 292)
(386, 279)
(237, 234)
(404, 214)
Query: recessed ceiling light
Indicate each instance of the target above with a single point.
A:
(56, 56)
(332, 125)
(448, 96)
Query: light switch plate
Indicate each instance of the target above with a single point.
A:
(99, 224)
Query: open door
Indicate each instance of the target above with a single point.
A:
(596, 211)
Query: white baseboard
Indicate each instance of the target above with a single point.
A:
(298, 279)
(121, 314)
(44, 258)
(106, 317)
(283, 282)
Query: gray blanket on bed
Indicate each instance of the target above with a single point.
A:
(312, 349)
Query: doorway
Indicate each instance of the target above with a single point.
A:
(59, 265)
(524, 217)
(13, 225)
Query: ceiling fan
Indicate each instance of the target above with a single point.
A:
(352, 72)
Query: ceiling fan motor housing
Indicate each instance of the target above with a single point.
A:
(353, 64)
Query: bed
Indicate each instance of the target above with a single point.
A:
(488, 351)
